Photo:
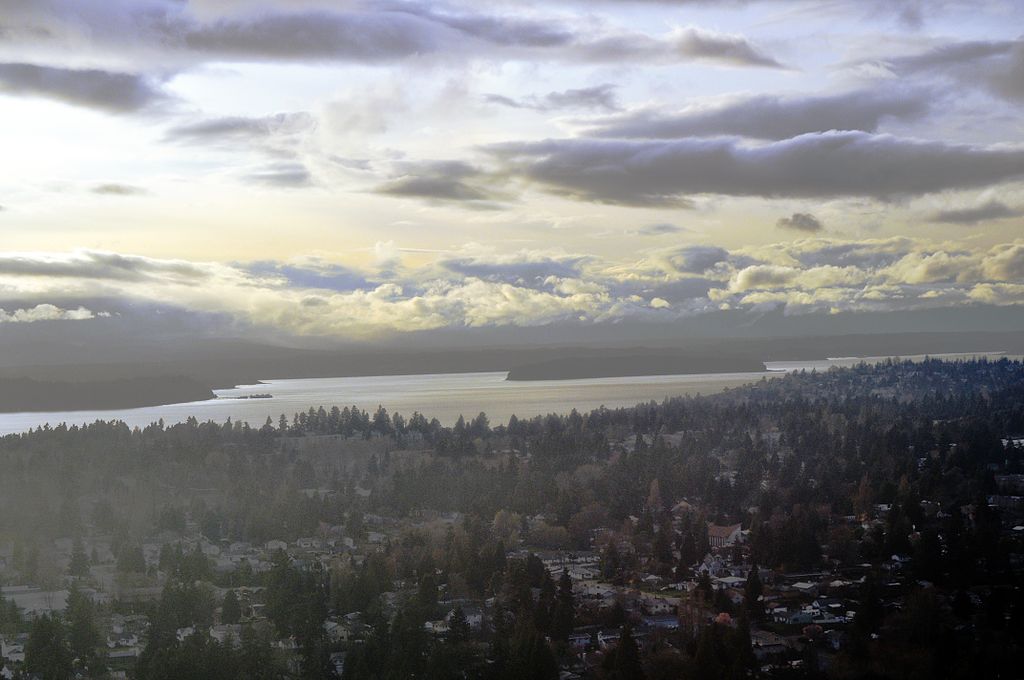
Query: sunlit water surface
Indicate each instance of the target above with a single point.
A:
(443, 396)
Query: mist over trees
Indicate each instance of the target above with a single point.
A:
(785, 458)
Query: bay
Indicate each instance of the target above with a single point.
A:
(443, 396)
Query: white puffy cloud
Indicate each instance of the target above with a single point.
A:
(478, 288)
(45, 312)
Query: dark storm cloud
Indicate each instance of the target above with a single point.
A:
(114, 189)
(833, 164)
(772, 116)
(800, 222)
(442, 181)
(105, 91)
(993, 210)
(241, 128)
(599, 97)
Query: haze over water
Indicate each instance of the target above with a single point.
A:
(443, 396)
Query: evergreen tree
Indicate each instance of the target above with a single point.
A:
(564, 619)
(83, 636)
(79, 560)
(230, 610)
(531, 657)
(47, 654)
(625, 662)
(752, 593)
(458, 627)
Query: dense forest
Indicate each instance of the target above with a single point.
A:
(837, 472)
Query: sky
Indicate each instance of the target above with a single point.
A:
(304, 169)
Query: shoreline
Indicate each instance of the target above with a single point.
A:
(171, 391)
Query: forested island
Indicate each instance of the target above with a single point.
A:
(856, 523)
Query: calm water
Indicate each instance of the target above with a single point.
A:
(442, 396)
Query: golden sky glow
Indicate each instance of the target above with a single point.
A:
(343, 169)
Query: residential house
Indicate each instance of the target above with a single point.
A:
(722, 536)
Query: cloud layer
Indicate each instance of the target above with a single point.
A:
(771, 116)
(529, 288)
(820, 165)
(92, 88)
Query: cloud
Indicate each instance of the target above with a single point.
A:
(115, 189)
(286, 175)
(1004, 263)
(660, 229)
(735, 50)
(525, 269)
(101, 266)
(366, 33)
(45, 312)
(241, 128)
(105, 91)
(442, 182)
(866, 254)
(527, 288)
(696, 259)
(598, 97)
(929, 267)
(996, 66)
(800, 222)
(909, 13)
(277, 138)
(771, 116)
(378, 34)
(993, 210)
(313, 273)
(820, 165)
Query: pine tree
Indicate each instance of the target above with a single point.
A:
(564, 619)
(531, 657)
(626, 663)
(458, 626)
(79, 560)
(752, 592)
(230, 610)
(47, 654)
(83, 636)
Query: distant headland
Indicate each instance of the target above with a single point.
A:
(26, 394)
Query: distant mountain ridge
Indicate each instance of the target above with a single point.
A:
(25, 394)
(197, 370)
(609, 365)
